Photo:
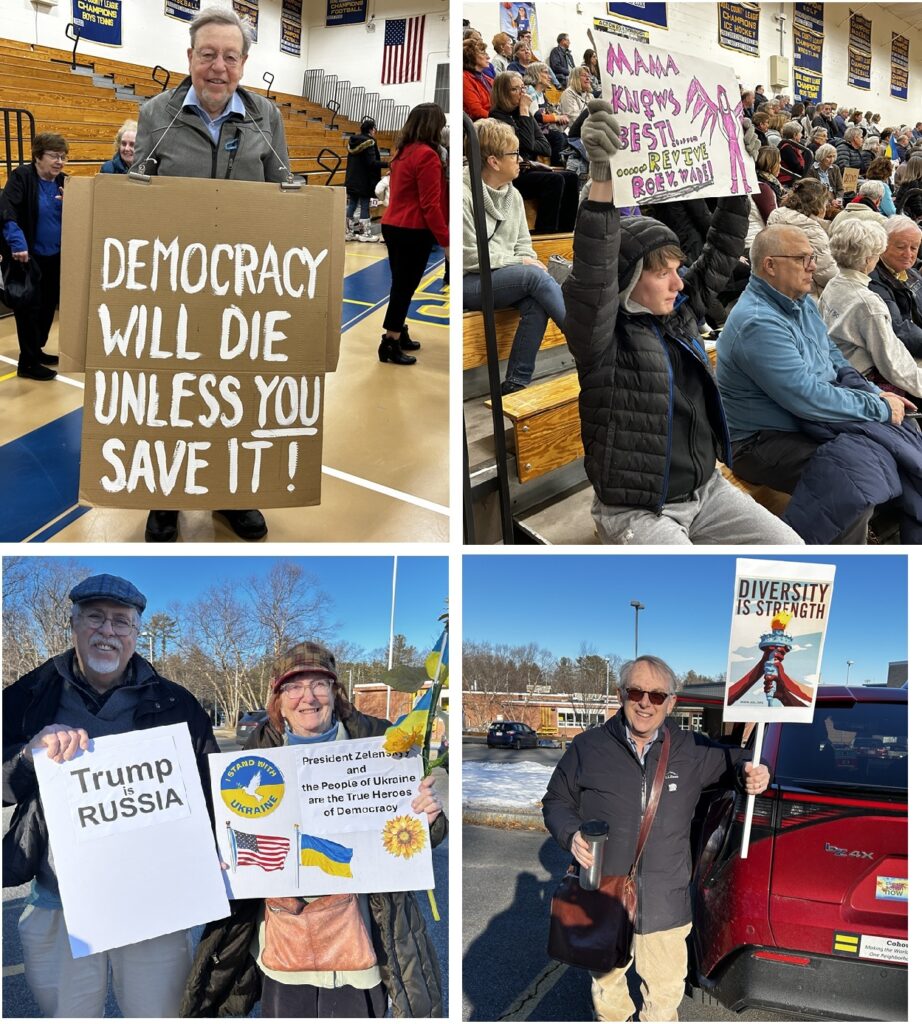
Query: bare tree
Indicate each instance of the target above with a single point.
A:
(289, 606)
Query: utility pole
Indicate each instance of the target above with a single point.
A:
(848, 670)
(638, 608)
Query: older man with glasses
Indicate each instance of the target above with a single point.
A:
(99, 687)
(210, 127)
(606, 775)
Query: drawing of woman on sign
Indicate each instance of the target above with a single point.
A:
(729, 118)
(778, 689)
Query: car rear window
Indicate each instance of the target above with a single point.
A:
(861, 745)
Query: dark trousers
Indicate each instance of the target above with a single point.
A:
(34, 323)
(777, 458)
(407, 254)
(557, 195)
(280, 1000)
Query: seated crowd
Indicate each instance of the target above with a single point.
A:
(810, 284)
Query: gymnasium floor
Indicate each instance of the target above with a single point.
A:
(385, 456)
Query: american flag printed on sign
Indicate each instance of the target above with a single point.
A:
(403, 50)
(266, 852)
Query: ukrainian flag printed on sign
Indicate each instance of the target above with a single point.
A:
(330, 857)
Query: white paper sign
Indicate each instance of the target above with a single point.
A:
(131, 839)
(780, 615)
(315, 819)
(680, 124)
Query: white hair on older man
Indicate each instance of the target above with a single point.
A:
(855, 241)
(899, 223)
(872, 189)
(222, 16)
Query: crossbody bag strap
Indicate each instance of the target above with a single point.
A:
(653, 803)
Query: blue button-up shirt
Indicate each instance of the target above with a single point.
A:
(234, 106)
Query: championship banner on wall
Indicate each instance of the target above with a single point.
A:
(780, 615)
(809, 16)
(205, 337)
(249, 9)
(646, 14)
(184, 10)
(680, 127)
(614, 28)
(899, 66)
(290, 41)
(859, 51)
(808, 52)
(808, 88)
(132, 799)
(738, 27)
(99, 20)
(320, 819)
(513, 17)
(346, 12)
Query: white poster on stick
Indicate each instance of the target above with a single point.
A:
(317, 819)
(131, 839)
(680, 125)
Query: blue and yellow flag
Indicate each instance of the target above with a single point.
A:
(415, 719)
(326, 855)
(432, 660)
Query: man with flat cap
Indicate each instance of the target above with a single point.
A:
(99, 687)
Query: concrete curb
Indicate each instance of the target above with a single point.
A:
(497, 817)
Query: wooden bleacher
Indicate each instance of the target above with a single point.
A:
(89, 114)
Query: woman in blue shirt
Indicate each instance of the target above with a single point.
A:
(30, 212)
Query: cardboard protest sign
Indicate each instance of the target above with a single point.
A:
(316, 819)
(206, 317)
(850, 179)
(780, 614)
(131, 839)
(680, 125)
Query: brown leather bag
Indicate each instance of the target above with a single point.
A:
(594, 929)
(327, 934)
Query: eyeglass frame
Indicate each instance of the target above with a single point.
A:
(54, 155)
(85, 616)
(232, 60)
(805, 260)
(657, 697)
(314, 685)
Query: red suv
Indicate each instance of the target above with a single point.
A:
(814, 921)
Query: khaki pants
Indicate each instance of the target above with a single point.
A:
(661, 960)
(148, 977)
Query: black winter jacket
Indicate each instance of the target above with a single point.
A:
(532, 142)
(226, 982)
(904, 301)
(19, 203)
(363, 166)
(31, 703)
(651, 416)
(600, 777)
(908, 200)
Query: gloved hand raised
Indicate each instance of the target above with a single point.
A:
(601, 137)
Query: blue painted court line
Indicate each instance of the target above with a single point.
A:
(59, 525)
(41, 471)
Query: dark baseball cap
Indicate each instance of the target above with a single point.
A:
(304, 657)
(109, 588)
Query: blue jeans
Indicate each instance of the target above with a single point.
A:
(353, 201)
(537, 296)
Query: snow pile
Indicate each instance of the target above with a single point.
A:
(508, 787)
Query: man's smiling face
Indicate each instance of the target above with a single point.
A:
(216, 65)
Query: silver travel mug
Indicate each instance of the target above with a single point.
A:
(595, 833)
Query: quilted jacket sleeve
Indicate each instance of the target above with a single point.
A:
(723, 247)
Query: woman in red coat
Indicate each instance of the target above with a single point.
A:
(477, 87)
(416, 219)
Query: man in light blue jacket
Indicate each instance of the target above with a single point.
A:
(777, 368)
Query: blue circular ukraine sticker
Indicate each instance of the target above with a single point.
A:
(252, 786)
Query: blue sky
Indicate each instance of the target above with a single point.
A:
(563, 601)
(359, 588)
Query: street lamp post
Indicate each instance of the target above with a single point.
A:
(848, 670)
(638, 608)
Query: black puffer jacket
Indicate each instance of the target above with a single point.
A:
(532, 142)
(600, 777)
(904, 301)
(363, 165)
(651, 416)
(225, 981)
(31, 703)
(908, 200)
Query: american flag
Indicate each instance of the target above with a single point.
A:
(266, 852)
(403, 50)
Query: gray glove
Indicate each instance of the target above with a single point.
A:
(601, 137)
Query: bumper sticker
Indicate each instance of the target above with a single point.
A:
(871, 947)
(892, 888)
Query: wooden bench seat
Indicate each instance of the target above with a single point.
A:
(507, 322)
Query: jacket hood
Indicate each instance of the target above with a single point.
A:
(359, 143)
(640, 236)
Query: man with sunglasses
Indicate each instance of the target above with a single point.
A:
(99, 687)
(788, 390)
(606, 774)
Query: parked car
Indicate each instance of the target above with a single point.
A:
(511, 734)
(814, 921)
(248, 722)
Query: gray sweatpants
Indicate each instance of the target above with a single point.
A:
(718, 513)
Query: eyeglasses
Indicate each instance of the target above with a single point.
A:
(807, 261)
(57, 157)
(657, 697)
(316, 686)
(515, 154)
(210, 56)
(121, 626)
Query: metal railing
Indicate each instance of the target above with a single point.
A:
(19, 137)
(164, 82)
(74, 33)
(268, 78)
(353, 102)
(331, 171)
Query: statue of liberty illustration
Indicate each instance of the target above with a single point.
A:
(728, 117)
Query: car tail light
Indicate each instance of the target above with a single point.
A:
(761, 812)
(782, 958)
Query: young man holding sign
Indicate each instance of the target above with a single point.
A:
(100, 687)
(209, 127)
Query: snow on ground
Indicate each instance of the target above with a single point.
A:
(511, 787)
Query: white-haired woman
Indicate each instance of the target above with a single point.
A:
(577, 94)
(124, 150)
(858, 321)
(826, 171)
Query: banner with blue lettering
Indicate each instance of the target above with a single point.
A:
(184, 10)
(808, 88)
(249, 9)
(290, 41)
(99, 21)
(738, 27)
(347, 12)
(646, 14)
(859, 51)
(809, 16)
(899, 66)
(808, 50)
